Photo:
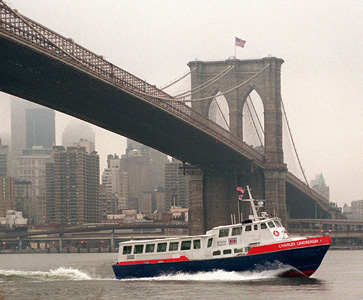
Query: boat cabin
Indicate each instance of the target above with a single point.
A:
(221, 241)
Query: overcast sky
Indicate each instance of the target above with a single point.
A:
(321, 43)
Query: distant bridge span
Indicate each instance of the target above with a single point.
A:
(42, 66)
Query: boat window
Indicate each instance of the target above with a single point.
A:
(248, 228)
(161, 247)
(210, 241)
(223, 232)
(127, 250)
(138, 249)
(271, 224)
(263, 226)
(149, 248)
(278, 224)
(196, 244)
(236, 231)
(218, 252)
(238, 250)
(186, 245)
(173, 246)
(227, 251)
(255, 227)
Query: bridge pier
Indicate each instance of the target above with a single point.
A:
(20, 242)
(213, 196)
(196, 202)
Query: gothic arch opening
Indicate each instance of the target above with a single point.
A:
(219, 111)
(253, 122)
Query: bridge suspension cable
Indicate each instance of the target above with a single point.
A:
(206, 83)
(225, 92)
(177, 80)
(293, 143)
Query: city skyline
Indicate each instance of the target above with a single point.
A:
(321, 85)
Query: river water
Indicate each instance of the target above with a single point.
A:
(90, 276)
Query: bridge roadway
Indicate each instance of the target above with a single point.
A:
(44, 67)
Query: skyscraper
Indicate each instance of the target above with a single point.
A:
(31, 125)
(7, 195)
(72, 181)
(4, 160)
(115, 180)
(40, 127)
(176, 186)
(31, 167)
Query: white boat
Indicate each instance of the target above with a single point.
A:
(260, 241)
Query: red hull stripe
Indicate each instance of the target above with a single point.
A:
(299, 274)
(316, 241)
(153, 261)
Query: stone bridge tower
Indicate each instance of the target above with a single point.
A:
(264, 77)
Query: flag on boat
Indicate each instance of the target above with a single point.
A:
(240, 43)
(240, 197)
(240, 189)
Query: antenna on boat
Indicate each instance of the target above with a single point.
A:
(253, 207)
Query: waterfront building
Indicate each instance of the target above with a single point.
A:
(357, 210)
(7, 195)
(176, 185)
(108, 202)
(24, 197)
(31, 167)
(4, 160)
(115, 180)
(72, 183)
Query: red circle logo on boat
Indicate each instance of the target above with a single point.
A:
(276, 233)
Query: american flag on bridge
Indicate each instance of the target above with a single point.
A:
(240, 43)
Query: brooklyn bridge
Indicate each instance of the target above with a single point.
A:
(42, 66)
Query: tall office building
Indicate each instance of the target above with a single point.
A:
(176, 186)
(40, 127)
(116, 180)
(4, 160)
(156, 160)
(31, 167)
(24, 198)
(146, 171)
(72, 181)
(319, 185)
(31, 125)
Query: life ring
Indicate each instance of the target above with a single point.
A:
(276, 233)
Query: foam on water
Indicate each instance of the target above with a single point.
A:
(218, 275)
(57, 274)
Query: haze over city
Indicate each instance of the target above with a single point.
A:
(320, 43)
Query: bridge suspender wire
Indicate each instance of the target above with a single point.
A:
(254, 124)
(258, 119)
(169, 85)
(293, 143)
(225, 92)
(206, 83)
(224, 118)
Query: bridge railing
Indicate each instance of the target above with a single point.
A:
(38, 36)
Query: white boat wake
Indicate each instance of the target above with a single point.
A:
(57, 274)
(216, 276)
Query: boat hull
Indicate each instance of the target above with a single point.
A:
(304, 261)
